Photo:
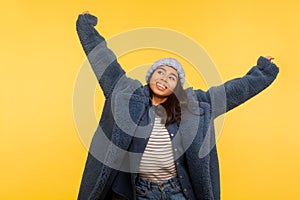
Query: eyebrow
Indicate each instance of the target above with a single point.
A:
(166, 70)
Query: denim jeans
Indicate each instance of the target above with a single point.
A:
(167, 190)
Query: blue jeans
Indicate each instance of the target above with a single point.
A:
(167, 190)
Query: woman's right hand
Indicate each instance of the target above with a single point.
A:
(86, 17)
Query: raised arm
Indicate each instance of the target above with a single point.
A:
(235, 92)
(103, 61)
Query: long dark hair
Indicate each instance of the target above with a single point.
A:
(173, 106)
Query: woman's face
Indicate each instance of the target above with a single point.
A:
(163, 81)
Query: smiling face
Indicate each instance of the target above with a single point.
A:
(163, 81)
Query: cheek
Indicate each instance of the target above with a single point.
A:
(172, 86)
(151, 85)
(153, 78)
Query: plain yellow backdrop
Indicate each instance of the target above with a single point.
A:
(42, 156)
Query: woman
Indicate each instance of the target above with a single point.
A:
(170, 128)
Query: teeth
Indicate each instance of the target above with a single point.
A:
(161, 85)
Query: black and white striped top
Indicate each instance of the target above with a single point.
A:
(157, 163)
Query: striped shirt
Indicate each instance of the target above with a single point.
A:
(157, 163)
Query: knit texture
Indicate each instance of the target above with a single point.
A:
(172, 62)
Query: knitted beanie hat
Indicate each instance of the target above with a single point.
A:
(172, 62)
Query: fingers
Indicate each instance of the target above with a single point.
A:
(85, 12)
(269, 58)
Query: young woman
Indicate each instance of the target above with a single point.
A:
(171, 125)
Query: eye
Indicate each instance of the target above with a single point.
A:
(160, 72)
(172, 78)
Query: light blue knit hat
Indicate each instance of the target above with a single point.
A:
(172, 62)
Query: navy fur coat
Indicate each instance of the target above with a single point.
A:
(197, 121)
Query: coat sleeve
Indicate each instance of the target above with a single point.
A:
(103, 61)
(235, 92)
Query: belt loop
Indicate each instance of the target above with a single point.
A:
(173, 182)
(148, 185)
(173, 185)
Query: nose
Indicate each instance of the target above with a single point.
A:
(164, 78)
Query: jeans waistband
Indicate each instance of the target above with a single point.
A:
(151, 184)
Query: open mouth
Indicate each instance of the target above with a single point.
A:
(161, 86)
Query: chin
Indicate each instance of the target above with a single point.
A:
(161, 94)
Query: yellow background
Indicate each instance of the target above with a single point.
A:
(42, 156)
